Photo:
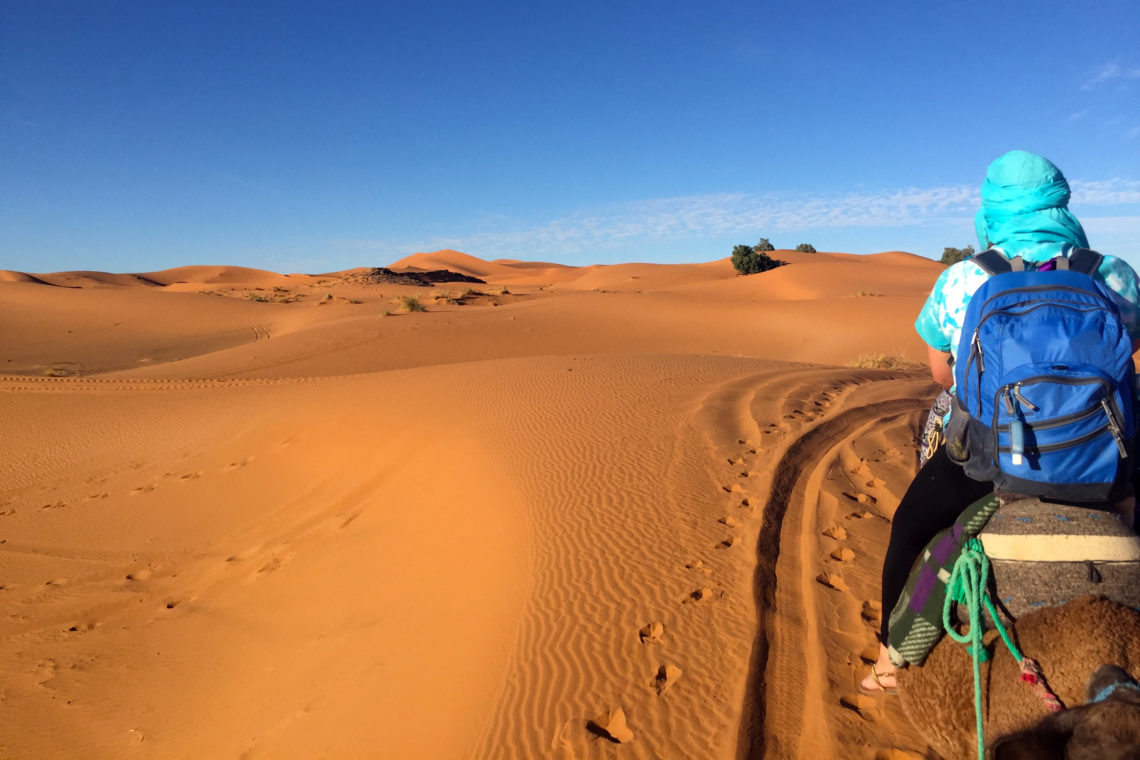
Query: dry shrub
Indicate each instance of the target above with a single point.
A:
(408, 304)
(884, 361)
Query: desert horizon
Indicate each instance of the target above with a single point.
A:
(255, 514)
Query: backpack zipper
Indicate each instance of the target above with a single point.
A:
(1011, 395)
(1040, 288)
(976, 343)
(1062, 421)
(1114, 426)
(1066, 444)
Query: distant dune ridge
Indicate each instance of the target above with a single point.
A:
(268, 515)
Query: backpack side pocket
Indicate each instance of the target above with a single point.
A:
(969, 443)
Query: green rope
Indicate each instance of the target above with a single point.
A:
(968, 585)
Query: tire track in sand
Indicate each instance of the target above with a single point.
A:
(775, 729)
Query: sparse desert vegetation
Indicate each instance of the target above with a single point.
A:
(884, 361)
(408, 304)
(753, 259)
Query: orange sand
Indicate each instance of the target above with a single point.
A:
(248, 514)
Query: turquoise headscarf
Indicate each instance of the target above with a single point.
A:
(1024, 200)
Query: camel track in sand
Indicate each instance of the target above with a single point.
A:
(19, 384)
(783, 576)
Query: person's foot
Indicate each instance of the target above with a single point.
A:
(881, 679)
(879, 682)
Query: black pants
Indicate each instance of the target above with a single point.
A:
(938, 494)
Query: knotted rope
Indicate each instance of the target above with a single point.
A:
(968, 585)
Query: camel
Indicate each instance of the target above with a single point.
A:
(1106, 728)
(1069, 642)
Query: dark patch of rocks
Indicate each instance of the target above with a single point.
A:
(384, 275)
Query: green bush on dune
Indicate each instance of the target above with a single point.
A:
(954, 255)
(748, 259)
(806, 248)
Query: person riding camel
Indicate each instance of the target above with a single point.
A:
(1024, 218)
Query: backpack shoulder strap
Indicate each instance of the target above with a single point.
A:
(1084, 260)
(992, 262)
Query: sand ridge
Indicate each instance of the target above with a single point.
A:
(271, 520)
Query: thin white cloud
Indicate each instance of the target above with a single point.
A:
(1133, 133)
(706, 217)
(1110, 72)
(1078, 115)
(1105, 192)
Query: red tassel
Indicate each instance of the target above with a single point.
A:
(1031, 674)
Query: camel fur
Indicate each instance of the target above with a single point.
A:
(1108, 729)
(1069, 643)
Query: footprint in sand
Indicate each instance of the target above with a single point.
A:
(728, 543)
(729, 521)
(651, 633)
(769, 437)
(699, 566)
(7, 512)
(667, 675)
(843, 555)
(612, 725)
(190, 476)
(858, 703)
(862, 498)
(57, 505)
(244, 554)
(872, 613)
(87, 627)
(237, 465)
(95, 496)
(869, 654)
(832, 581)
(141, 490)
(862, 514)
(893, 753)
(698, 596)
(140, 575)
(44, 672)
(734, 488)
(876, 483)
(838, 532)
(276, 562)
(737, 460)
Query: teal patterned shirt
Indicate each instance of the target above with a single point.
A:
(939, 323)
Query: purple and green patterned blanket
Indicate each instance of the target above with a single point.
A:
(916, 621)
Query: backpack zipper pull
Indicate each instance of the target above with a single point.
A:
(1024, 401)
(1007, 397)
(1114, 427)
(1016, 430)
(976, 343)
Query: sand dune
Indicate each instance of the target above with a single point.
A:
(244, 514)
(215, 275)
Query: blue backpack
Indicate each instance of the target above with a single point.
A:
(1044, 402)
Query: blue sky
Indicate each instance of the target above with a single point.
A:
(290, 136)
